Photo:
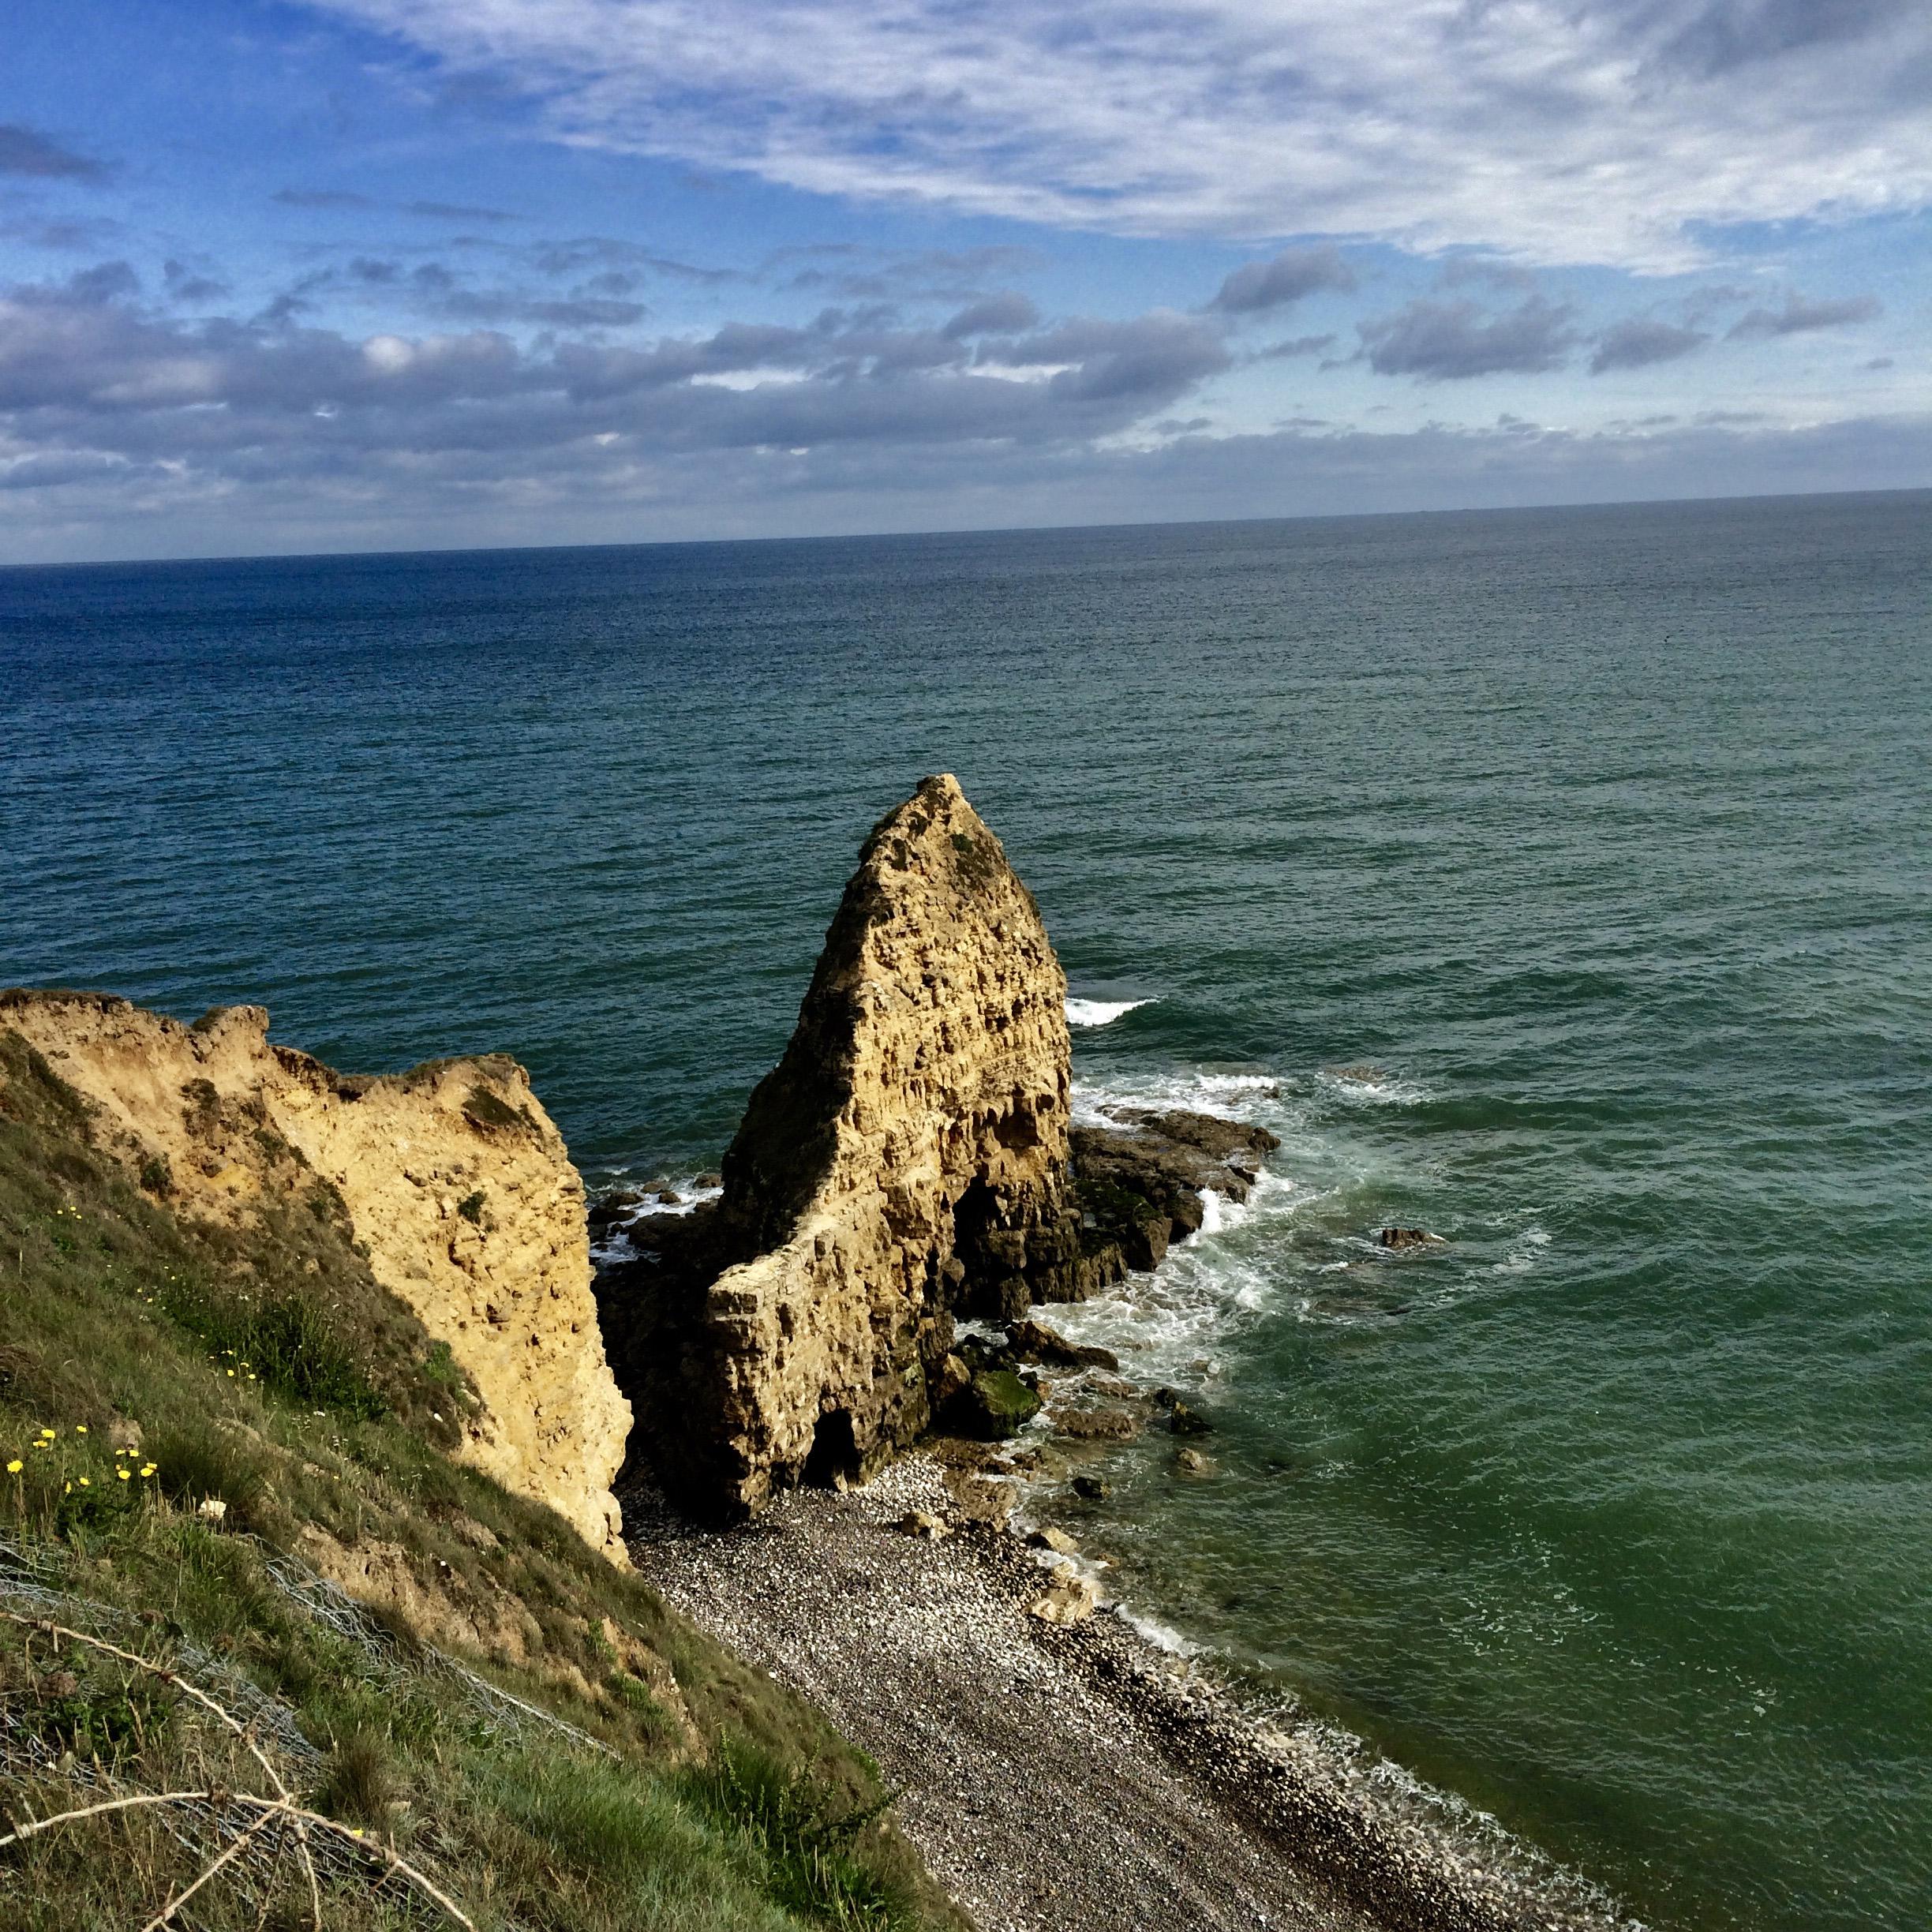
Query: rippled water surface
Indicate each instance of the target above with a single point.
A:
(1557, 880)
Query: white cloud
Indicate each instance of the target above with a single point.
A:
(1562, 130)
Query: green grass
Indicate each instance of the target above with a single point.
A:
(161, 1366)
(812, 1850)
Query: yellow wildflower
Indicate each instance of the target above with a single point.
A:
(47, 1435)
(15, 1467)
(79, 1428)
(122, 1474)
(147, 1468)
(85, 1484)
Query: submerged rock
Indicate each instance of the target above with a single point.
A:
(1031, 1341)
(620, 1205)
(1098, 1424)
(1141, 1186)
(1401, 1237)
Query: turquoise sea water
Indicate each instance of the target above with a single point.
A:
(1561, 881)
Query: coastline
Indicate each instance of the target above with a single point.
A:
(1080, 1775)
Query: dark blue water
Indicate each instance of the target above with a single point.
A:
(1560, 880)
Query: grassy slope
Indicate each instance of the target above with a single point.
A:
(267, 1370)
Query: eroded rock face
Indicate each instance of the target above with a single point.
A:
(907, 1158)
(453, 1176)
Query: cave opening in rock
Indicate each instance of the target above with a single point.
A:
(834, 1457)
(974, 1216)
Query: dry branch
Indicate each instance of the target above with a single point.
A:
(34, 1826)
(214, 1865)
(227, 1717)
(383, 1854)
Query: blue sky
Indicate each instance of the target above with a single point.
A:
(375, 274)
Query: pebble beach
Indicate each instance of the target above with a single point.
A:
(1058, 1774)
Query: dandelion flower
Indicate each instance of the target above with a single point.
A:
(147, 1468)
(15, 1467)
(47, 1435)
(231, 1375)
(79, 1428)
(122, 1474)
(85, 1484)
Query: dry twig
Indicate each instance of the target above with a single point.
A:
(234, 1850)
(382, 1854)
(272, 1811)
(34, 1826)
(48, 1627)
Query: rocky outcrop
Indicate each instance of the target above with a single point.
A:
(1399, 1238)
(908, 1158)
(1143, 1183)
(457, 1187)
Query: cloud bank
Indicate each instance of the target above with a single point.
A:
(1561, 130)
(127, 429)
(1441, 340)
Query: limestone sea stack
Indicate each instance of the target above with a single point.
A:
(907, 1158)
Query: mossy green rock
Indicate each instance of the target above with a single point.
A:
(998, 1404)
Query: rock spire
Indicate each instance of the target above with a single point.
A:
(907, 1159)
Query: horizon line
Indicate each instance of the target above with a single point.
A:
(971, 530)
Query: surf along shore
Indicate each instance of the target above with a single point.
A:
(846, 1386)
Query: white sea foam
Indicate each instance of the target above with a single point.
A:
(1162, 1636)
(1525, 1251)
(1093, 1013)
(1370, 1086)
(614, 1243)
(1231, 1096)
(1174, 1325)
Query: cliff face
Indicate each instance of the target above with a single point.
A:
(907, 1158)
(456, 1182)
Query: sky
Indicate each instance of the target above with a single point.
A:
(370, 274)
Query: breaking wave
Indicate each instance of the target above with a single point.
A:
(1093, 1013)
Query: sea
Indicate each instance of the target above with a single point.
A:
(1557, 880)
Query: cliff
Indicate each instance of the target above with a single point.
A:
(907, 1159)
(227, 1490)
(457, 1191)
